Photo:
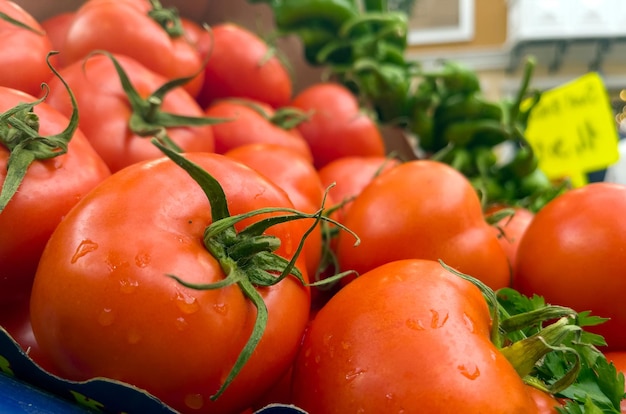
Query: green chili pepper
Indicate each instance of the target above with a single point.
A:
(464, 107)
(524, 162)
(475, 132)
(456, 78)
(387, 87)
(294, 14)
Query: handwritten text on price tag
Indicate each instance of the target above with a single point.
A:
(573, 128)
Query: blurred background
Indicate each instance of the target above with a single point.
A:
(568, 38)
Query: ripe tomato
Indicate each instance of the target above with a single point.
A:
(409, 337)
(103, 305)
(351, 175)
(48, 191)
(427, 210)
(245, 123)
(242, 65)
(24, 51)
(56, 27)
(99, 91)
(572, 255)
(510, 229)
(126, 27)
(336, 127)
(296, 175)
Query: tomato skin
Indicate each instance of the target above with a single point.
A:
(61, 181)
(350, 175)
(239, 66)
(102, 304)
(572, 255)
(422, 209)
(336, 127)
(98, 91)
(407, 336)
(56, 27)
(24, 52)
(245, 125)
(123, 27)
(511, 229)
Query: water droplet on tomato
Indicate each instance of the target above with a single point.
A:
(86, 246)
(181, 323)
(186, 303)
(416, 325)
(345, 345)
(469, 323)
(354, 374)
(106, 317)
(133, 336)
(471, 372)
(142, 259)
(128, 285)
(194, 401)
(221, 308)
(438, 319)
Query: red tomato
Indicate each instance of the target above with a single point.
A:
(351, 175)
(242, 65)
(197, 35)
(246, 125)
(296, 175)
(572, 254)
(24, 51)
(409, 337)
(99, 91)
(125, 27)
(336, 127)
(56, 28)
(546, 403)
(103, 305)
(422, 209)
(510, 229)
(26, 223)
(618, 358)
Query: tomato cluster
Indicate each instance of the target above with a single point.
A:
(224, 241)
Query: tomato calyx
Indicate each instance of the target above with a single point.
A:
(246, 257)
(147, 118)
(550, 349)
(167, 18)
(19, 133)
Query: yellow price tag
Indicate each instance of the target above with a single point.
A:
(572, 129)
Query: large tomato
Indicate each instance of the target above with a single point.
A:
(106, 112)
(242, 65)
(47, 192)
(411, 337)
(336, 127)
(127, 27)
(24, 50)
(572, 253)
(103, 304)
(251, 122)
(427, 210)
